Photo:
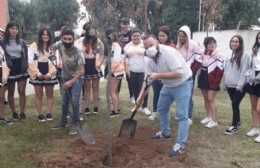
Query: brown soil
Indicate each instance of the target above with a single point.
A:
(138, 152)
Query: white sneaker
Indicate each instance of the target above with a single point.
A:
(211, 124)
(190, 121)
(153, 116)
(253, 132)
(145, 111)
(257, 139)
(205, 120)
(132, 99)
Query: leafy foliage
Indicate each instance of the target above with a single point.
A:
(244, 12)
(35, 14)
(222, 14)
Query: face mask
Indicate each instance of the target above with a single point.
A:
(151, 51)
(67, 45)
(92, 32)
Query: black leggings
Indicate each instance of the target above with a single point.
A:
(137, 80)
(236, 98)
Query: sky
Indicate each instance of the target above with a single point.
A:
(78, 30)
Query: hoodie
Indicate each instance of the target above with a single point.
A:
(234, 76)
(190, 51)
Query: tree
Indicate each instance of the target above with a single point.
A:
(240, 13)
(23, 14)
(176, 13)
(34, 14)
(55, 13)
(211, 13)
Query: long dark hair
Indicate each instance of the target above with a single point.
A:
(239, 51)
(256, 45)
(112, 33)
(7, 33)
(208, 40)
(166, 30)
(40, 41)
(89, 41)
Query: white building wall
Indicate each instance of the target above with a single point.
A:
(223, 38)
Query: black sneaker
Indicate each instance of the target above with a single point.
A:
(231, 130)
(6, 121)
(41, 118)
(114, 114)
(6, 103)
(22, 117)
(49, 117)
(15, 116)
(69, 114)
(160, 136)
(87, 111)
(95, 111)
(81, 116)
(59, 126)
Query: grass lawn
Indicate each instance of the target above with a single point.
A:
(210, 147)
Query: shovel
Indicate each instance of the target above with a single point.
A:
(128, 126)
(83, 130)
(85, 134)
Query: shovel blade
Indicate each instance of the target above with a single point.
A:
(128, 128)
(86, 135)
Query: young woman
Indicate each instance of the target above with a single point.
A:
(209, 80)
(93, 50)
(134, 52)
(117, 69)
(164, 37)
(190, 51)
(16, 54)
(4, 72)
(42, 73)
(235, 66)
(253, 88)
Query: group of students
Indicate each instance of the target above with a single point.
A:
(172, 68)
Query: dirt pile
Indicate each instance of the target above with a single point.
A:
(138, 152)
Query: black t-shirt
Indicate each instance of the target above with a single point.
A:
(125, 38)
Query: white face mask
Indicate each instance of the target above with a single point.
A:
(151, 51)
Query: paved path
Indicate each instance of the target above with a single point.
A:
(30, 88)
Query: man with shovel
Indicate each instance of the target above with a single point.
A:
(73, 62)
(167, 65)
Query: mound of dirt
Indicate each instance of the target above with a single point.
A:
(141, 151)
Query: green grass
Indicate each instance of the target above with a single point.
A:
(212, 147)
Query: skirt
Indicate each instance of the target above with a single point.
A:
(15, 73)
(44, 69)
(90, 69)
(203, 81)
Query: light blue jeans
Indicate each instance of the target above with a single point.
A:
(191, 100)
(72, 93)
(181, 96)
